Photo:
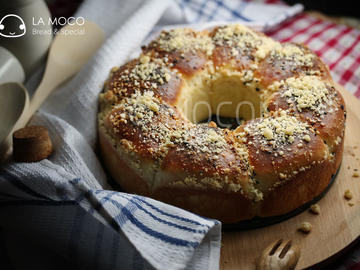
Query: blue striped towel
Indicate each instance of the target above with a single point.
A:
(60, 212)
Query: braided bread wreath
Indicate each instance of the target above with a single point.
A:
(282, 156)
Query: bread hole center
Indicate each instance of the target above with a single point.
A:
(223, 122)
(227, 101)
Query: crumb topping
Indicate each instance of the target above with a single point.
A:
(242, 39)
(288, 52)
(236, 35)
(146, 99)
(206, 140)
(139, 109)
(267, 45)
(308, 92)
(279, 130)
(184, 40)
(315, 209)
(348, 194)
(141, 75)
(149, 71)
(305, 227)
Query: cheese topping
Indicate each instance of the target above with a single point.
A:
(148, 71)
(241, 37)
(266, 46)
(139, 109)
(291, 53)
(183, 39)
(308, 92)
(148, 100)
(236, 35)
(279, 130)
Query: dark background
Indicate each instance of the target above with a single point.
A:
(331, 7)
(350, 8)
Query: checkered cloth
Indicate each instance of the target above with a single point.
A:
(337, 45)
(72, 216)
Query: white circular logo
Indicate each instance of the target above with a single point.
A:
(12, 26)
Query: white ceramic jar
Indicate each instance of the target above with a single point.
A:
(21, 33)
(10, 67)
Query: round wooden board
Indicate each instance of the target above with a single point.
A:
(335, 228)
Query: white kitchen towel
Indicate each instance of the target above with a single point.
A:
(61, 210)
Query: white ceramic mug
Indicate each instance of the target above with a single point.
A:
(10, 67)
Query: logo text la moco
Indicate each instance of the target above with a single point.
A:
(13, 26)
(61, 21)
(39, 23)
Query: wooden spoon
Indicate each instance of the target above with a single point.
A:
(70, 50)
(14, 103)
(68, 53)
(279, 255)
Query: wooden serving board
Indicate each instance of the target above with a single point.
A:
(337, 226)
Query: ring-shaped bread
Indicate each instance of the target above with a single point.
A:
(283, 155)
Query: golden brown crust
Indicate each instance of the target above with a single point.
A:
(267, 166)
(272, 69)
(168, 47)
(126, 177)
(122, 86)
(300, 189)
(329, 123)
(209, 203)
(275, 166)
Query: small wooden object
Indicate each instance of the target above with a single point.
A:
(31, 144)
(279, 255)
